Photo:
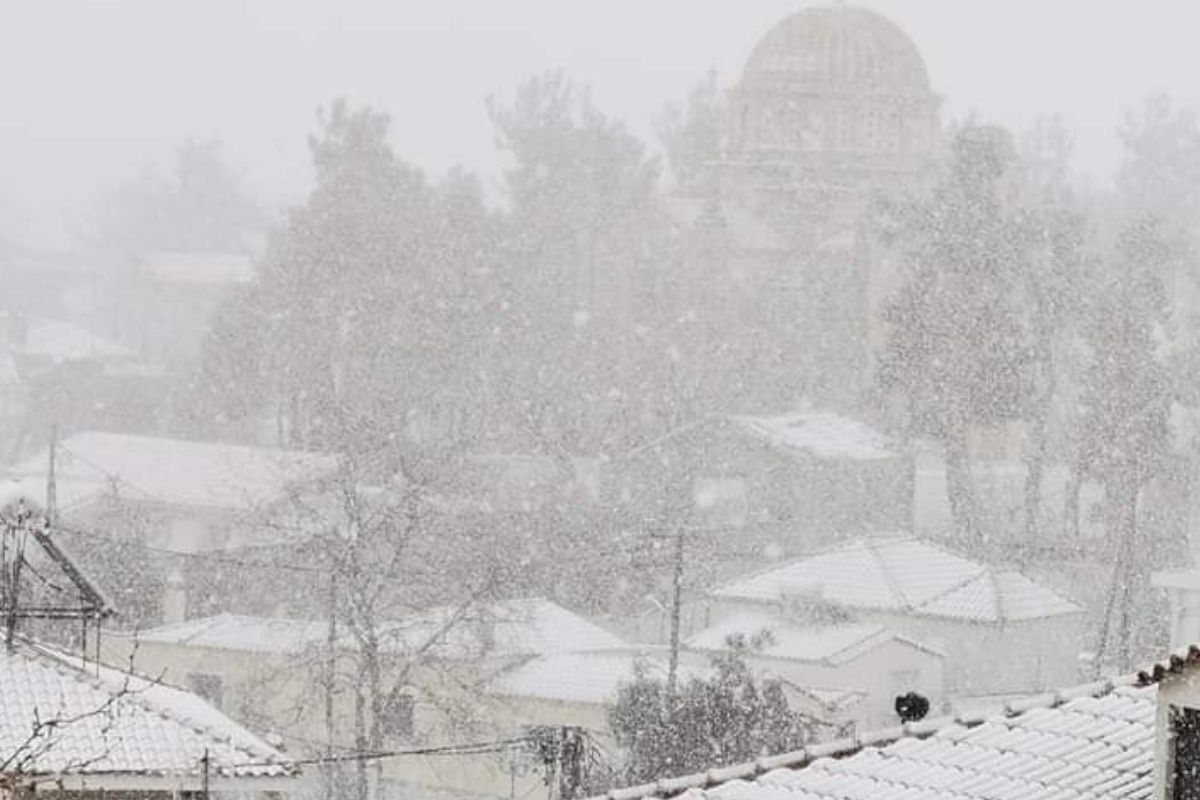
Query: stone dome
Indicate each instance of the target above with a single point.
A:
(833, 48)
(834, 80)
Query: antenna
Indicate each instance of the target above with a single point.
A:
(52, 479)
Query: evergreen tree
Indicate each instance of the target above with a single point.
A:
(202, 205)
(1124, 440)
(368, 305)
(691, 133)
(958, 351)
(1054, 280)
(579, 187)
(1160, 173)
(726, 718)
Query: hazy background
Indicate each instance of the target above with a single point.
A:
(93, 92)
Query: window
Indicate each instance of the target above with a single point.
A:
(1185, 754)
(397, 716)
(208, 686)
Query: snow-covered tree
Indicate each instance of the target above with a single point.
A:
(728, 717)
(958, 351)
(1125, 434)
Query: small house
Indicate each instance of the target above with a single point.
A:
(1001, 633)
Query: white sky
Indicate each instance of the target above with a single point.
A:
(93, 91)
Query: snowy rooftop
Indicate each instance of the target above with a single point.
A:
(581, 677)
(179, 472)
(198, 269)
(242, 633)
(906, 575)
(820, 434)
(1093, 742)
(143, 729)
(828, 644)
(526, 627)
(62, 341)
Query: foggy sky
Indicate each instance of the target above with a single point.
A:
(93, 91)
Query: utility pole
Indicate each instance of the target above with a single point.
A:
(676, 613)
(52, 479)
(562, 750)
(330, 676)
(204, 764)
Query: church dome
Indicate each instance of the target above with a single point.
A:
(833, 48)
(834, 80)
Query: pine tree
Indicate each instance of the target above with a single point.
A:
(958, 351)
(1124, 440)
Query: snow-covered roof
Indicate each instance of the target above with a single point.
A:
(31, 489)
(580, 677)
(523, 627)
(905, 575)
(63, 341)
(180, 472)
(122, 728)
(1092, 742)
(828, 644)
(198, 269)
(240, 633)
(832, 700)
(820, 434)
(511, 628)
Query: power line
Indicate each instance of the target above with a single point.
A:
(472, 748)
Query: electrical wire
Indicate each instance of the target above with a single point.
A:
(472, 748)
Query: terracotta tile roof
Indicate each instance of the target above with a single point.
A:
(1091, 742)
(1173, 664)
(119, 724)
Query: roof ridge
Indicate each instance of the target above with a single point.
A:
(993, 578)
(983, 573)
(851, 745)
(779, 566)
(865, 643)
(872, 547)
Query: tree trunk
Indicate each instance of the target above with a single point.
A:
(1121, 499)
(1125, 524)
(1071, 503)
(960, 485)
(1035, 467)
(676, 613)
(377, 700)
(360, 736)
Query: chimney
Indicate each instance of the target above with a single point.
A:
(174, 601)
(1183, 589)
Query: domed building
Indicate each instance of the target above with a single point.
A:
(833, 110)
(830, 94)
(834, 80)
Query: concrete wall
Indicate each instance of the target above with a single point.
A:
(891, 669)
(1009, 658)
